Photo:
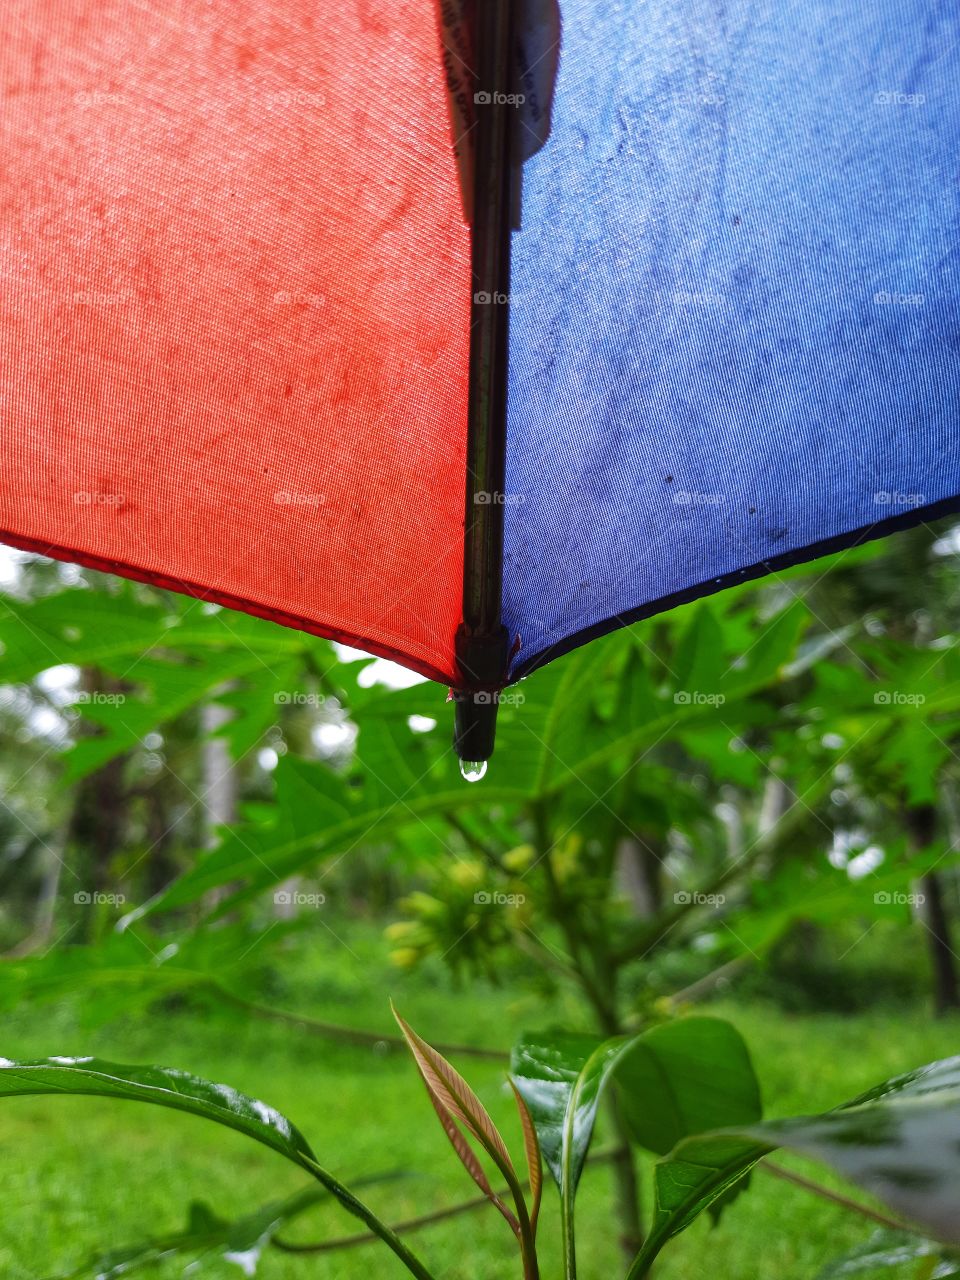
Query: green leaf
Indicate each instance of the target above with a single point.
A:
(900, 1141)
(667, 1084)
(210, 1237)
(561, 1079)
(887, 1249)
(699, 663)
(207, 1235)
(164, 690)
(685, 1077)
(121, 974)
(181, 1091)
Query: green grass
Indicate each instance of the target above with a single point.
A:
(83, 1173)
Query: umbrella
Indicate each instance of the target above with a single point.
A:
(466, 333)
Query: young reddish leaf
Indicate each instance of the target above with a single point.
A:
(458, 1098)
(453, 1101)
(531, 1146)
(469, 1161)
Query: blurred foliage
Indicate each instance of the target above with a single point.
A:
(759, 789)
(719, 777)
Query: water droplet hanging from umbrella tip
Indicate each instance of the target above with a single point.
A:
(473, 770)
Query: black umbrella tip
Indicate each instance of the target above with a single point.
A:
(482, 659)
(474, 725)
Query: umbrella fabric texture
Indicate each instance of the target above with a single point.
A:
(735, 319)
(234, 312)
(237, 302)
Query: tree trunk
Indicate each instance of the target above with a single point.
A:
(639, 874)
(921, 821)
(98, 823)
(946, 994)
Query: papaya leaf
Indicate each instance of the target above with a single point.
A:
(555, 741)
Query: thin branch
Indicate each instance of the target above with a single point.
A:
(413, 1224)
(834, 1197)
(349, 1035)
(704, 986)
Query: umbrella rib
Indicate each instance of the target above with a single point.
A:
(482, 642)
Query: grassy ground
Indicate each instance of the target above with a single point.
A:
(80, 1173)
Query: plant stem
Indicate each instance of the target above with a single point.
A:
(628, 1185)
(568, 1240)
(598, 972)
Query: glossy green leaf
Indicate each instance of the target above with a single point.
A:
(181, 1091)
(685, 1077)
(888, 1249)
(673, 1078)
(561, 1079)
(900, 1141)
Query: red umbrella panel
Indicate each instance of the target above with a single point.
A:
(234, 314)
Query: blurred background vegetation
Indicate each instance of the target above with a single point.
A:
(224, 846)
